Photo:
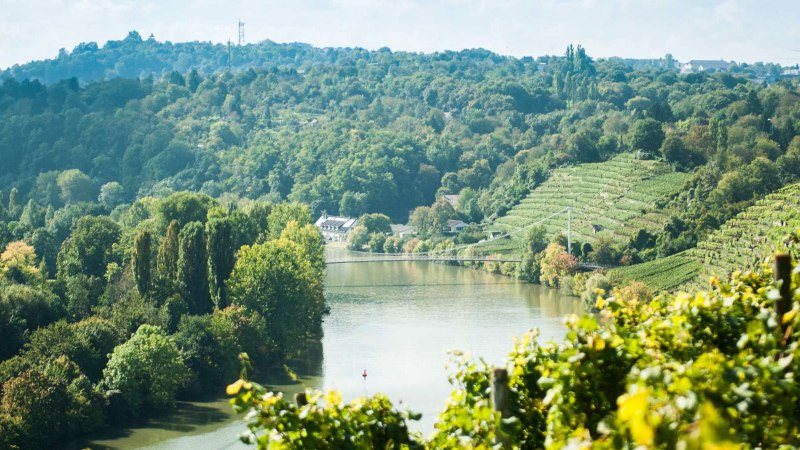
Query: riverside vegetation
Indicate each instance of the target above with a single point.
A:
(146, 185)
(714, 369)
(148, 305)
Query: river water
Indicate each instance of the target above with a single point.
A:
(397, 320)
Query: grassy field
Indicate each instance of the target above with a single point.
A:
(740, 244)
(620, 195)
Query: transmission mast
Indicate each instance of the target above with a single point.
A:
(241, 32)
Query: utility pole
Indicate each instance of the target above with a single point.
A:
(569, 231)
(241, 32)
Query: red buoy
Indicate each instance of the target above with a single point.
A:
(364, 374)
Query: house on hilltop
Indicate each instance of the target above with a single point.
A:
(335, 228)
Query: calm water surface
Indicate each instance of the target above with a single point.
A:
(397, 320)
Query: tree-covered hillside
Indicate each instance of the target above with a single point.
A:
(351, 131)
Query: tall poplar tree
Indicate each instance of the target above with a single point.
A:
(193, 268)
(140, 260)
(221, 258)
(167, 261)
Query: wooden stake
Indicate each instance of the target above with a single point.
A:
(783, 275)
(500, 391)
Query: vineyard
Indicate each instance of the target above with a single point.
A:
(663, 274)
(740, 244)
(617, 197)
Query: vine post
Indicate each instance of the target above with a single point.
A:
(500, 391)
(783, 276)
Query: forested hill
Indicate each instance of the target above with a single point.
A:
(135, 57)
(351, 131)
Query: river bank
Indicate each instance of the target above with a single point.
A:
(398, 320)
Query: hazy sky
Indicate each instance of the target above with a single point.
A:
(740, 30)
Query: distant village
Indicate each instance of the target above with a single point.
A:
(702, 65)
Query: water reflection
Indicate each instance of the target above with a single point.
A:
(397, 320)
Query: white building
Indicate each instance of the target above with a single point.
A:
(403, 230)
(703, 65)
(335, 228)
(455, 226)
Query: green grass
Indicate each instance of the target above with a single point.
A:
(620, 195)
(742, 243)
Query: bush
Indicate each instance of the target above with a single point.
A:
(147, 370)
(207, 352)
(48, 404)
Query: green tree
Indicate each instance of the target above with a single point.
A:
(311, 241)
(32, 215)
(674, 151)
(24, 308)
(353, 204)
(276, 280)
(248, 330)
(14, 209)
(208, 352)
(193, 268)
(537, 239)
(87, 343)
(140, 261)
(54, 401)
(167, 260)
(111, 195)
(259, 213)
(147, 370)
(221, 257)
(647, 135)
(75, 186)
(605, 251)
(376, 242)
(376, 223)
(468, 205)
(357, 238)
(46, 189)
(93, 246)
(283, 213)
(184, 207)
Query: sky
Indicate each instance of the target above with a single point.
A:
(739, 30)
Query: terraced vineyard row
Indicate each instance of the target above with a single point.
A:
(740, 244)
(662, 274)
(750, 237)
(618, 195)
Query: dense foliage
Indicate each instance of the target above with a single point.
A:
(146, 306)
(351, 131)
(134, 173)
(713, 369)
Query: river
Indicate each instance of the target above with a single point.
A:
(397, 320)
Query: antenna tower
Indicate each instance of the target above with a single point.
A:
(241, 32)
